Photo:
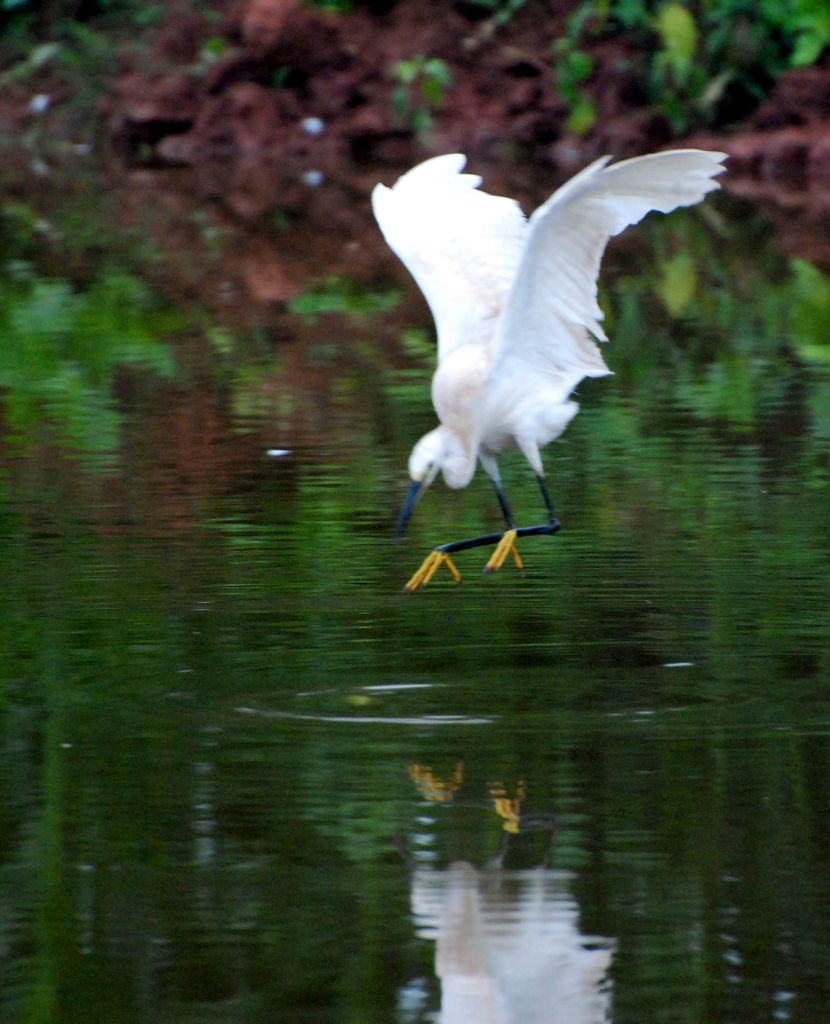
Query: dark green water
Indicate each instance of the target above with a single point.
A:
(245, 779)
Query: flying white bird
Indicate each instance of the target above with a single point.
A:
(515, 304)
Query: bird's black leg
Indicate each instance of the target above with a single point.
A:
(472, 542)
(507, 544)
(505, 508)
(552, 519)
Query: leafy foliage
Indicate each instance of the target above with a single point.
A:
(573, 68)
(422, 84)
(703, 62)
(62, 346)
(342, 295)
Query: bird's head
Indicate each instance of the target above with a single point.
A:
(427, 456)
(439, 449)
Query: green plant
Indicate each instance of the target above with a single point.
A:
(573, 68)
(32, 64)
(810, 312)
(76, 53)
(422, 83)
(86, 54)
(705, 62)
(342, 295)
(62, 347)
(79, 42)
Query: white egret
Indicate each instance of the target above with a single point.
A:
(515, 304)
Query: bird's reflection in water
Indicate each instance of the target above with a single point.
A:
(509, 949)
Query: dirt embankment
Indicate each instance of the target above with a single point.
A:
(386, 83)
(299, 82)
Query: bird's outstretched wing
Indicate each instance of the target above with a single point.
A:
(553, 300)
(462, 246)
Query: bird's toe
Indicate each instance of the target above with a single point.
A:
(428, 568)
(506, 546)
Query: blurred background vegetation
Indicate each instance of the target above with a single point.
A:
(698, 64)
(702, 63)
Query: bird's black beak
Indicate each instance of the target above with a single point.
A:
(412, 497)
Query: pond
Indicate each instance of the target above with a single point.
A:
(246, 779)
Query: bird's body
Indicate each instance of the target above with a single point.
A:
(515, 299)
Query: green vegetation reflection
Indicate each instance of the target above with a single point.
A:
(206, 781)
(62, 345)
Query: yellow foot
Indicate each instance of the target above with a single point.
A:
(506, 546)
(430, 566)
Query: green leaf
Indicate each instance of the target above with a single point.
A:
(678, 31)
(579, 65)
(810, 318)
(808, 48)
(221, 339)
(583, 115)
(439, 72)
(632, 13)
(678, 286)
(432, 91)
(43, 54)
(406, 71)
(215, 46)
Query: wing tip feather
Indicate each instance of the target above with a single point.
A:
(447, 166)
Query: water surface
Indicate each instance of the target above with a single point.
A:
(246, 779)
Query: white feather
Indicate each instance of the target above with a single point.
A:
(462, 246)
(553, 297)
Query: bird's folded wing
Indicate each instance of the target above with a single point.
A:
(553, 301)
(462, 246)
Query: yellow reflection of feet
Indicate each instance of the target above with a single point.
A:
(432, 787)
(506, 807)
